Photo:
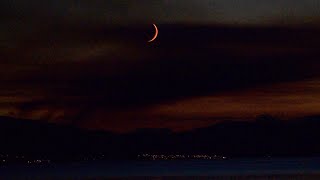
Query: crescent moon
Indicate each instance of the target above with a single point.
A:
(156, 33)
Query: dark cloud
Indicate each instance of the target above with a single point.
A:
(95, 75)
(89, 63)
(204, 11)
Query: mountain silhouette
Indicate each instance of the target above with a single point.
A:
(266, 136)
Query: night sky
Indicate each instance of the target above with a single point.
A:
(88, 63)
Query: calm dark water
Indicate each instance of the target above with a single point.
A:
(168, 168)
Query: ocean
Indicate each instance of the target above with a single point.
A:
(188, 168)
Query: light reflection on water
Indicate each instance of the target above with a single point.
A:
(168, 168)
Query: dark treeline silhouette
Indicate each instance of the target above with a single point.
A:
(266, 136)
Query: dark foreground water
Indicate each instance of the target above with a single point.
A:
(106, 169)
